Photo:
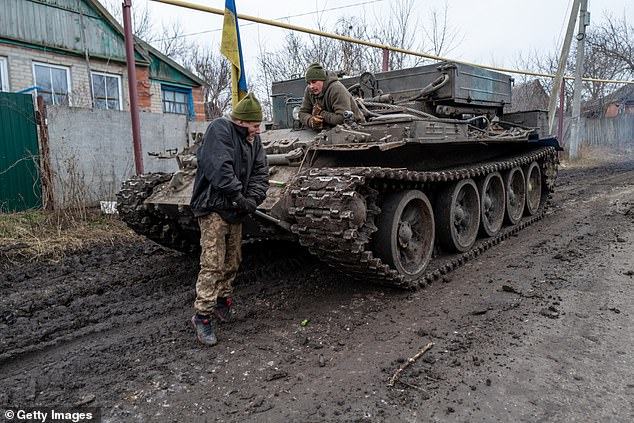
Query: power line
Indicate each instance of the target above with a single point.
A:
(287, 26)
(277, 19)
(564, 20)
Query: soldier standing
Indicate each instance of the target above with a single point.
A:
(231, 181)
(326, 99)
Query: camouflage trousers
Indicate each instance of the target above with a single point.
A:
(219, 261)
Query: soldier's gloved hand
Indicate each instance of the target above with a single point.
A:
(247, 204)
(316, 122)
(251, 205)
(317, 110)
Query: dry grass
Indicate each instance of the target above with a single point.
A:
(596, 156)
(50, 236)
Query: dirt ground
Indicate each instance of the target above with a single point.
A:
(537, 329)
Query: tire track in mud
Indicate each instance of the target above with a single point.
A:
(89, 294)
(109, 316)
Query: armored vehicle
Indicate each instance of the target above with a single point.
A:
(435, 176)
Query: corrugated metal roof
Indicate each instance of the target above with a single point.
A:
(58, 24)
(72, 26)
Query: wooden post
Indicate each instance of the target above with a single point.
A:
(560, 126)
(561, 68)
(45, 161)
(386, 60)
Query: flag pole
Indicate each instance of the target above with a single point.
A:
(230, 46)
(234, 87)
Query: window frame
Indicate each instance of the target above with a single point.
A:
(189, 101)
(4, 74)
(68, 80)
(107, 75)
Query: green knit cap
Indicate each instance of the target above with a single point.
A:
(315, 72)
(248, 109)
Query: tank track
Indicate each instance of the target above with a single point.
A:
(324, 197)
(153, 224)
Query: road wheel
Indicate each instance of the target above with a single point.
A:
(405, 235)
(492, 204)
(515, 195)
(533, 188)
(458, 216)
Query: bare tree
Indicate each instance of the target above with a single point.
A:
(599, 65)
(172, 41)
(214, 69)
(547, 63)
(346, 57)
(442, 37)
(400, 30)
(614, 40)
(608, 55)
(142, 22)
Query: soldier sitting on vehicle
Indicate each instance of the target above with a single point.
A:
(325, 100)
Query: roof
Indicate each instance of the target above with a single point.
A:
(624, 95)
(43, 24)
(528, 96)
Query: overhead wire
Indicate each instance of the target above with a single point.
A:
(209, 31)
(372, 44)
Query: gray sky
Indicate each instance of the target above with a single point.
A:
(493, 32)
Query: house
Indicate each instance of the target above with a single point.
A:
(527, 97)
(529, 106)
(618, 103)
(72, 52)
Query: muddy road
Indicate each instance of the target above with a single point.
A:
(537, 329)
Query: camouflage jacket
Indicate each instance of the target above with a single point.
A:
(334, 99)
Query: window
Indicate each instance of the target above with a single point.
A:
(177, 100)
(53, 83)
(106, 91)
(4, 75)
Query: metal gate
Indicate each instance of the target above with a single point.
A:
(20, 186)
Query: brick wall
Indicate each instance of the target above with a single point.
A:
(155, 92)
(143, 89)
(199, 103)
(20, 68)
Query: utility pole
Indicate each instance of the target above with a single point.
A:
(561, 68)
(575, 130)
(386, 60)
(132, 86)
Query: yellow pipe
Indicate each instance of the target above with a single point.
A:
(215, 11)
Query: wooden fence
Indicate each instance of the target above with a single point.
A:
(615, 133)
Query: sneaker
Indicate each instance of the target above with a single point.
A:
(224, 310)
(204, 330)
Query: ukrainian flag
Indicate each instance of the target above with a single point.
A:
(232, 49)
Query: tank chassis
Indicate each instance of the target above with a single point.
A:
(436, 176)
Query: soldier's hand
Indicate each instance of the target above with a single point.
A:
(316, 122)
(317, 110)
(247, 204)
(251, 205)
